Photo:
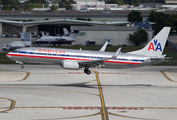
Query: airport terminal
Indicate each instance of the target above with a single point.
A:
(90, 32)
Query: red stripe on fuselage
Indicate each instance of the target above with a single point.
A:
(48, 57)
(123, 62)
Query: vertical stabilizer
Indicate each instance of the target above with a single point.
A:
(156, 46)
(65, 31)
(43, 35)
(74, 34)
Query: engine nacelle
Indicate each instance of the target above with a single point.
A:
(70, 64)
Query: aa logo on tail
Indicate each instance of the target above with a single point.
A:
(155, 46)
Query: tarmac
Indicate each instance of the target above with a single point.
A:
(49, 92)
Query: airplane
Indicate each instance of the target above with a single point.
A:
(66, 38)
(75, 59)
(65, 31)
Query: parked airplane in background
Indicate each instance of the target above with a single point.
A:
(66, 38)
(75, 59)
(65, 31)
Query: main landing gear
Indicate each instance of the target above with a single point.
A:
(86, 70)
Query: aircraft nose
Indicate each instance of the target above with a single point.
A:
(8, 55)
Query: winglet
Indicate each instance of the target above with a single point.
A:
(116, 54)
(104, 47)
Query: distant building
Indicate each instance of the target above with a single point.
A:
(171, 1)
(152, 5)
(170, 4)
(92, 5)
(115, 35)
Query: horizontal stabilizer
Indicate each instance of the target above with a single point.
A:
(76, 31)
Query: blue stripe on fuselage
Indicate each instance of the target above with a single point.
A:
(76, 56)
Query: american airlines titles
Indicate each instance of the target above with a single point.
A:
(51, 51)
(152, 46)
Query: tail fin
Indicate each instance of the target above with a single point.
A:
(156, 46)
(65, 31)
(74, 34)
(43, 35)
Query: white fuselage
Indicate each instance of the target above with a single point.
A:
(56, 56)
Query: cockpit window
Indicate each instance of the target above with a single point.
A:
(16, 51)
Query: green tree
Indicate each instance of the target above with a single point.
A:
(33, 4)
(30, 6)
(66, 4)
(37, 1)
(136, 2)
(173, 22)
(138, 37)
(134, 16)
(160, 19)
(84, 19)
(120, 2)
(10, 4)
(54, 7)
(111, 1)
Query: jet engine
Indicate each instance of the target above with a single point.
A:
(70, 64)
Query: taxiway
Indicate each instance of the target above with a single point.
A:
(48, 92)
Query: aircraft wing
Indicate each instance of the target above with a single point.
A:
(99, 62)
(104, 47)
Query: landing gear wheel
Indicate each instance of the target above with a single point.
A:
(86, 70)
(4, 50)
(22, 67)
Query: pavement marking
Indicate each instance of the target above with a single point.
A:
(103, 73)
(70, 117)
(81, 108)
(103, 110)
(125, 108)
(11, 107)
(91, 108)
(165, 75)
(27, 75)
(130, 117)
(159, 108)
(113, 73)
(9, 75)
